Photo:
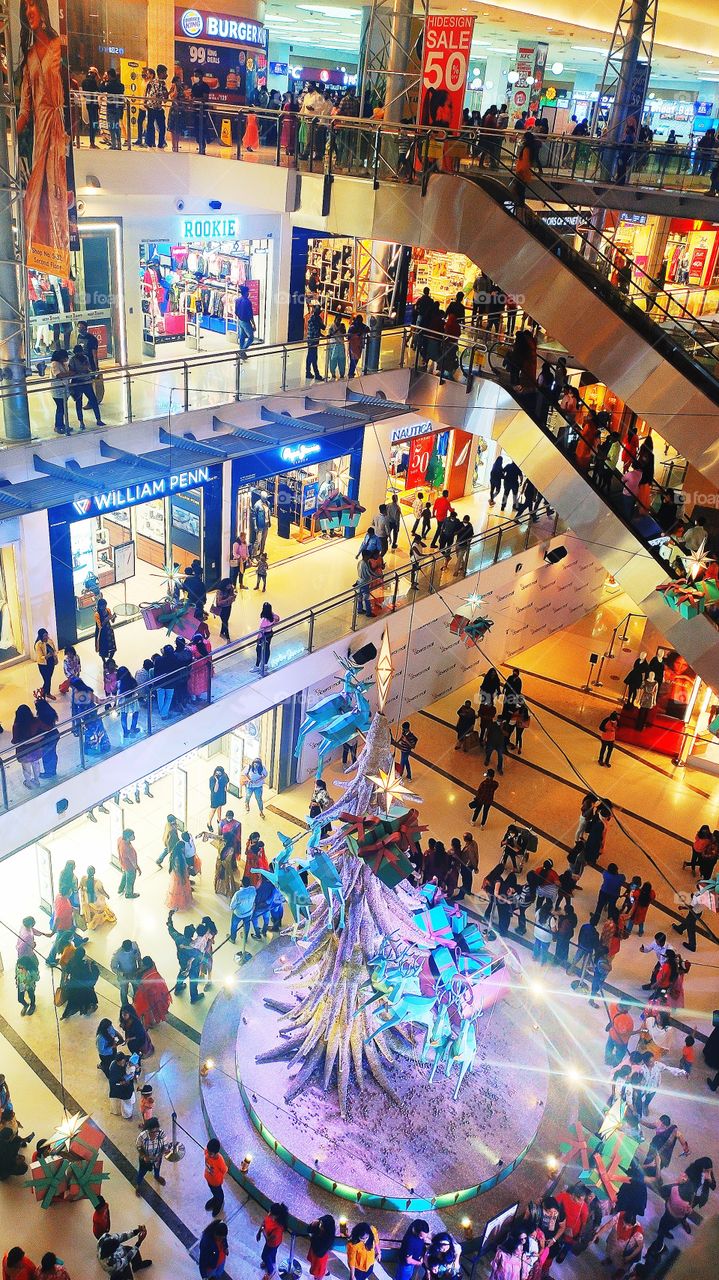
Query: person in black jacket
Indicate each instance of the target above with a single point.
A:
(495, 479)
(213, 1249)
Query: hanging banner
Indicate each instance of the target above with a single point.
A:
(42, 91)
(447, 46)
(524, 94)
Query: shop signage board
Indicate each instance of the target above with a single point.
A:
(270, 462)
(410, 430)
(525, 94)
(42, 85)
(447, 47)
(279, 68)
(418, 462)
(228, 51)
(129, 495)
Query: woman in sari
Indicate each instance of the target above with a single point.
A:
(179, 894)
(199, 681)
(93, 902)
(86, 720)
(227, 878)
(152, 998)
(80, 978)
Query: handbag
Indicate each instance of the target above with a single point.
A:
(60, 997)
(64, 686)
(234, 562)
(99, 383)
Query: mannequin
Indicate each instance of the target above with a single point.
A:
(647, 699)
(261, 516)
(636, 677)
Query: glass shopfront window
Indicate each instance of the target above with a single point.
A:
(292, 499)
(93, 292)
(126, 553)
(189, 292)
(12, 643)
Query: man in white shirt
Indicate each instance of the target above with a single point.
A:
(659, 947)
(311, 105)
(379, 524)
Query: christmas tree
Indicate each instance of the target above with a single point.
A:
(326, 1030)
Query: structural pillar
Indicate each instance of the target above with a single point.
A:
(626, 74)
(15, 409)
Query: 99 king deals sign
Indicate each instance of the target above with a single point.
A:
(447, 45)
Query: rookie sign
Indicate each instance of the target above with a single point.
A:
(448, 40)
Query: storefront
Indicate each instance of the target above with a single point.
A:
(425, 460)
(190, 286)
(93, 292)
(283, 489)
(120, 543)
(444, 274)
(227, 51)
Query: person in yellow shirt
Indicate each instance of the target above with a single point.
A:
(362, 1251)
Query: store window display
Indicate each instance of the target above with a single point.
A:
(124, 554)
(279, 514)
(190, 291)
(91, 293)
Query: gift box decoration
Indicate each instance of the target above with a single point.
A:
(472, 629)
(177, 618)
(383, 843)
(339, 511)
(684, 597)
(150, 616)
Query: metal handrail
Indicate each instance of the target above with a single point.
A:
(222, 656)
(366, 138)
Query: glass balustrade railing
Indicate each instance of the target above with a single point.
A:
(114, 725)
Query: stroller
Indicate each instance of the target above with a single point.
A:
(517, 842)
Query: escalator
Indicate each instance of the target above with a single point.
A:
(622, 545)
(667, 373)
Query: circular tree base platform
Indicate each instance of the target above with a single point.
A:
(421, 1152)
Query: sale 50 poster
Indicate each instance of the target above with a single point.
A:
(447, 47)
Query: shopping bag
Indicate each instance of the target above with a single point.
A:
(99, 387)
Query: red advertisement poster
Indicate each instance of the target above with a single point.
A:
(447, 45)
(42, 88)
(457, 478)
(419, 455)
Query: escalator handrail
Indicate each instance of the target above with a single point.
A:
(419, 136)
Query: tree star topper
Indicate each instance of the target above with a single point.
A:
(390, 787)
(384, 670)
(474, 600)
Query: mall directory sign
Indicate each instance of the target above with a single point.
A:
(227, 51)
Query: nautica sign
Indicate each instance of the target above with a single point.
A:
(130, 494)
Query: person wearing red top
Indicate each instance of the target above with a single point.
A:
(440, 510)
(17, 1266)
(63, 912)
(273, 1229)
(215, 1170)
(127, 857)
(483, 796)
(620, 1029)
(101, 1218)
(574, 1204)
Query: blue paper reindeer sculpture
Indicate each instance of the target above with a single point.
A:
(288, 880)
(339, 717)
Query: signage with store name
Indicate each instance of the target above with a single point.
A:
(195, 24)
(633, 219)
(202, 229)
(117, 49)
(227, 51)
(409, 431)
(298, 453)
(129, 495)
(703, 108)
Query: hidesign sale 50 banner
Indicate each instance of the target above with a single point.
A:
(447, 46)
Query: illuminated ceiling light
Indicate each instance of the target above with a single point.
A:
(557, 68)
(512, 76)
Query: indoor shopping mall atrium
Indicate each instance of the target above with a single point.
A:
(359, 640)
